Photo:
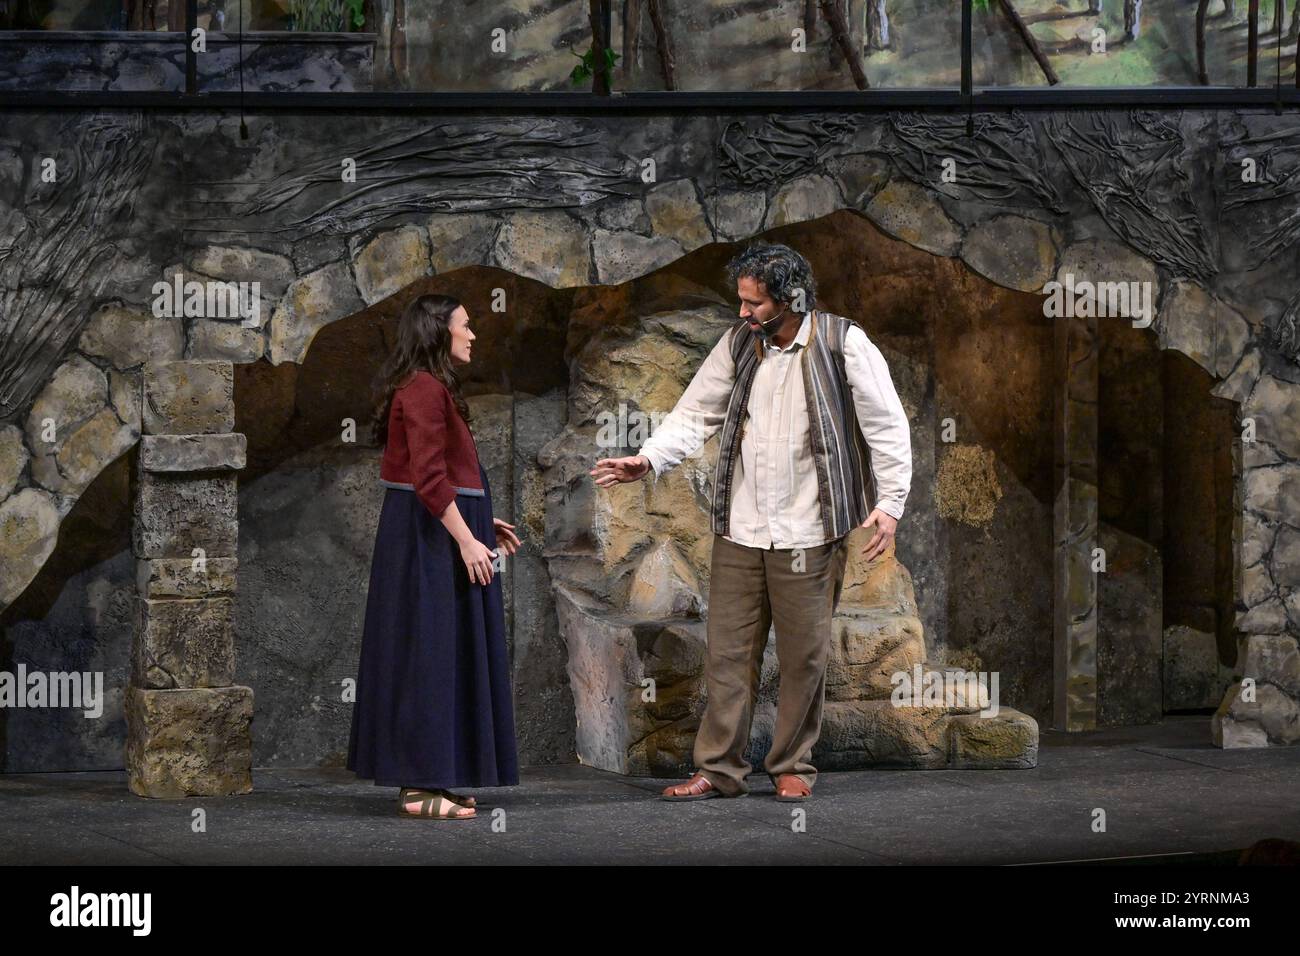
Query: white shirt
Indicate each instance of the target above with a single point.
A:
(774, 490)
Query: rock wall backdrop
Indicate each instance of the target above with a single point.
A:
(1036, 440)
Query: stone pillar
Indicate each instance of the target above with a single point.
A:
(1074, 622)
(1262, 706)
(187, 722)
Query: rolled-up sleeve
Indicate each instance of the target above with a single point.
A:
(424, 410)
(882, 420)
(698, 414)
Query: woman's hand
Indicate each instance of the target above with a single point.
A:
(478, 560)
(506, 536)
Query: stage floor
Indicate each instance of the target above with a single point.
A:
(1168, 794)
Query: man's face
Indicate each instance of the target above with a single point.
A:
(756, 306)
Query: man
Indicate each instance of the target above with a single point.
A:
(801, 398)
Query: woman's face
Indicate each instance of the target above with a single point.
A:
(461, 336)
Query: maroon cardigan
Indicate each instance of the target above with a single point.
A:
(430, 447)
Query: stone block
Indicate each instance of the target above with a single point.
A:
(195, 742)
(189, 453)
(183, 642)
(185, 577)
(188, 398)
(175, 514)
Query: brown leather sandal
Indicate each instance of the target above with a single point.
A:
(446, 809)
(790, 788)
(698, 788)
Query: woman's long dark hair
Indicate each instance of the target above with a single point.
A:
(423, 342)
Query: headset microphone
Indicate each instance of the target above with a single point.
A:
(769, 328)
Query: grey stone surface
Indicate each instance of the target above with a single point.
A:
(1193, 677)
(1012, 251)
(621, 256)
(128, 338)
(861, 177)
(29, 521)
(189, 742)
(317, 299)
(389, 262)
(912, 214)
(87, 629)
(1271, 719)
(675, 213)
(548, 245)
(1102, 260)
(461, 239)
(183, 643)
(1188, 315)
(808, 197)
(76, 393)
(174, 514)
(188, 398)
(623, 215)
(186, 577)
(544, 714)
(82, 457)
(1129, 642)
(1275, 405)
(74, 429)
(181, 453)
(13, 458)
(1274, 659)
(125, 393)
(272, 271)
(739, 213)
(208, 339)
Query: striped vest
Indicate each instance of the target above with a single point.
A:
(840, 453)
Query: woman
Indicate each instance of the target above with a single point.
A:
(433, 708)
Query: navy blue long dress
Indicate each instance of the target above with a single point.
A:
(433, 702)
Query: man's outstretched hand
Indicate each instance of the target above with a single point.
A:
(611, 471)
(885, 526)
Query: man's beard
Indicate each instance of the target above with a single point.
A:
(769, 328)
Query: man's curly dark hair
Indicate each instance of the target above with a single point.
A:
(781, 270)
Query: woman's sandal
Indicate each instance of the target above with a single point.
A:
(453, 797)
(457, 798)
(447, 809)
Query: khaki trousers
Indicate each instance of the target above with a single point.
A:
(750, 589)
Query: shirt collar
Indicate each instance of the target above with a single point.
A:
(800, 339)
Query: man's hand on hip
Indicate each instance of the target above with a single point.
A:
(885, 524)
(611, 471)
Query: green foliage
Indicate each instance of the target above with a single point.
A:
(354, 7)
(586, 67)
(327, 16)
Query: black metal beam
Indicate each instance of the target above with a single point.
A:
(967, 14)
(656, 101)
(967, 56)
